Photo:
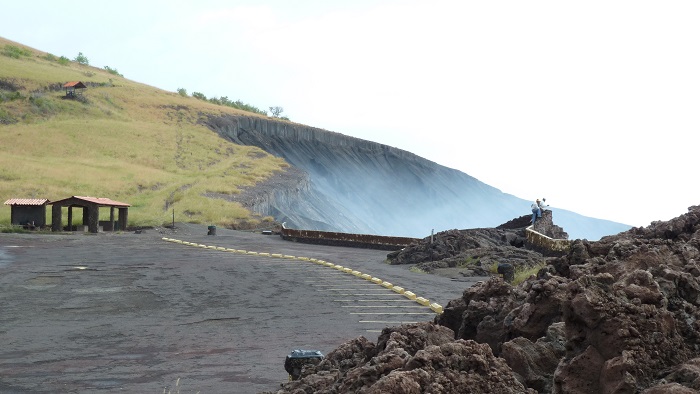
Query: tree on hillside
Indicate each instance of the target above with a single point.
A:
(82, 59)
(276, 111)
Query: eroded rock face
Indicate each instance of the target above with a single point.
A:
(621, 315)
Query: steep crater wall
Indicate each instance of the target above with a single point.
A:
(360, 186)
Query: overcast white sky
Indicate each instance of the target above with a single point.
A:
(592, 104)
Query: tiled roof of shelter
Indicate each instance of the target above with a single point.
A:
(97, 200)
(26, 201)
(74, 84)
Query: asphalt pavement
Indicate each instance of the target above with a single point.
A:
(134, 313)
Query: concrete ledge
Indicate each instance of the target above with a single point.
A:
(545, 242)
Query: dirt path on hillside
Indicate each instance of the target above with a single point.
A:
(129, 312)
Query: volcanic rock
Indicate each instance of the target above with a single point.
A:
(620, 315)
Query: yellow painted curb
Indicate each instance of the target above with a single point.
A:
(398, 289)
(437, 308)
(422, 301)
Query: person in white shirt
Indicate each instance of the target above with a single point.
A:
(536, 213)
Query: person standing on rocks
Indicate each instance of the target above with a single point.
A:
(542, 205)
(536, 213)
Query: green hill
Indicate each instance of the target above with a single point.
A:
(122, 140)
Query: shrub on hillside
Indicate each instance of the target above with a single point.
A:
(15, 52)
(113, 71)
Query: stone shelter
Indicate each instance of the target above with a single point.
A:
(91, 213)
(28, 212)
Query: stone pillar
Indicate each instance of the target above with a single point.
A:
(111, 217)
(70, 218)
(56, 218)
(123, 218)
(93, 217)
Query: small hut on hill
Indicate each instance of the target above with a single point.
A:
(74, 88)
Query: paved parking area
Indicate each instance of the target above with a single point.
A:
(129, 312)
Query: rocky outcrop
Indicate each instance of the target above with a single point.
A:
(419, 358)
(359, 186)
(475, 251)
(621, 315)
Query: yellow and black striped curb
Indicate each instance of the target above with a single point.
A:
(437, 308)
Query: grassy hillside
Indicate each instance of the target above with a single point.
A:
(122, 140)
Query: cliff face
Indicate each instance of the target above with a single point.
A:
(361, 186)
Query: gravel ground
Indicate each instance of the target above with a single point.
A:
(127, 312)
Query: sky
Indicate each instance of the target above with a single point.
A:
(593, 105)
